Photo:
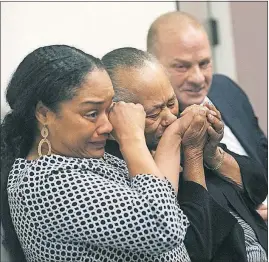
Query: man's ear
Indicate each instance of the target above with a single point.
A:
(42, 113)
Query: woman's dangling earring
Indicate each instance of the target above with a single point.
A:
(44, 140)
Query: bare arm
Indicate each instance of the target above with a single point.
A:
(138, 158)
(193, 144)
(194, 167)
(229, 168)
(167, 158)
(167, 155)
(214, 156)
(128, 122)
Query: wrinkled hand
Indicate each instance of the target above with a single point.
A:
(128, 121)
(180, 125)
(215, 132)
(195, 135)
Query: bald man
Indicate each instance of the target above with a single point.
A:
(181, 44)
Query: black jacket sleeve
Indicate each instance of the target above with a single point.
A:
(210, 224)
(254, 179)
(261, 139)
(238, 114)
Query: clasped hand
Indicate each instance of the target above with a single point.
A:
(200, 128)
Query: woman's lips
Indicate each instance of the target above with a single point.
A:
(98, 144)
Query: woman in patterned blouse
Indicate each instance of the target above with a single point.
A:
(64, 198)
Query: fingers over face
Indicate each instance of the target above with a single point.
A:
(194, 109)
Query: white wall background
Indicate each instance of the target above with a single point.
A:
(221, 12)
(96, 28)
(99, 27)
(250, 32)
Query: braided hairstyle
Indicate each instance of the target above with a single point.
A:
(50, 74)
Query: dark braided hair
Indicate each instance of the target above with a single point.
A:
(49, 74)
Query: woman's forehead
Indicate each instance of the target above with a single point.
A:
(97, 86)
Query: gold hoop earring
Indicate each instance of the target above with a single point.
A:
(44, 140)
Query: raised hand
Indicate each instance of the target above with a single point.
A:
(180, 125)
(195, 136)
(128, 121)
(193, 142)
(183, 122)
(215, 133)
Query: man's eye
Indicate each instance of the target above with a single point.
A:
(153, 116)
(170, 105)
(205, 64)
(180, 68)
(91, 114)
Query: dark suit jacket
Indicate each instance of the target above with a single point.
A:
(238, 114)
(218, 237)
(214, 235)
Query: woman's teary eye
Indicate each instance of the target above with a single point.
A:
(92, 114)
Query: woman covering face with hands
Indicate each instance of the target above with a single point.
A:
(64, 198)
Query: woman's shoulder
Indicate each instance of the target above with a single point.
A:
(115, 161)
(48, 163)
(108, 167)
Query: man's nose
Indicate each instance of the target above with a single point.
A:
(168, 117)
(196, 76)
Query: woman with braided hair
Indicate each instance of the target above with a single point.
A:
(64, 198)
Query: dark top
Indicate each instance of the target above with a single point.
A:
(214, 234)
(238, 114)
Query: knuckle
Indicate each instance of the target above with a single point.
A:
(199, 119)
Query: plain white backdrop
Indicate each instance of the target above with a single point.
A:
(96, 28)
(99, 27)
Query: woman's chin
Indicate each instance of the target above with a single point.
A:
(96, 153)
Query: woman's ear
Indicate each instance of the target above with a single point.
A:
(42, 113)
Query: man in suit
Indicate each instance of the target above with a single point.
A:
(181, 44)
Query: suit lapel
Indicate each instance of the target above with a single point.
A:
(231, 118)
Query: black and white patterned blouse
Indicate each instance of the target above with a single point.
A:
(72, 209)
